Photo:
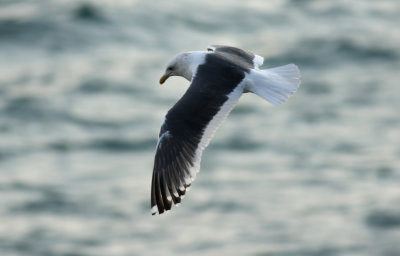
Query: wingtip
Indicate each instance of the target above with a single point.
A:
(258, 60)
(154, 210)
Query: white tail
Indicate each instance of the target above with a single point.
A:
(275, 85)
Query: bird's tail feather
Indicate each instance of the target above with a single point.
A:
(275, 85)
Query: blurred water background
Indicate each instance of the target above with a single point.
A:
(80, 111)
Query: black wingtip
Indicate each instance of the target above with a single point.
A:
(173, 172)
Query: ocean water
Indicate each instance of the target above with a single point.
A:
(80, 111)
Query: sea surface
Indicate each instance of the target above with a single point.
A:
(81, 107)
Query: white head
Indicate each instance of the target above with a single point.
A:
(183, 64)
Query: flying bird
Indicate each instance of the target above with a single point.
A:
(218, 77)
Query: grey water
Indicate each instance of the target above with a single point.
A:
(81, 107)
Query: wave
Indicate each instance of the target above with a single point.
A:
(89, 12)
(383, 219)
(237, 143)
(324, 52)
(52, 201)
(105, 144)
(56, 28)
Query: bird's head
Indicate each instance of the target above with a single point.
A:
(183, 64)
(178, 66)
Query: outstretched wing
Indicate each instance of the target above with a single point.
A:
(189, 126)
(251, 59)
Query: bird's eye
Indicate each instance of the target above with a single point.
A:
(169, 68)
